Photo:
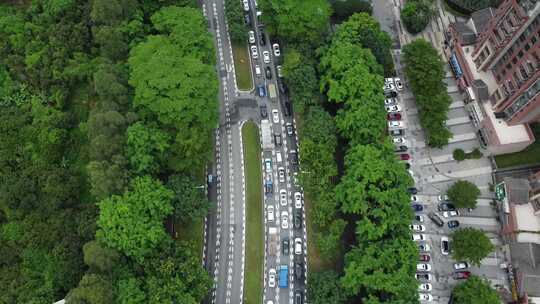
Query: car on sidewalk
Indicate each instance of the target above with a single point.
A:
(391, 109)
(397, 132)
(418, 237)
(246, 5)
(251, 37)
(445, 245)
(401, 148)
(419, 218)
(390, 94)
(414, 198)
(393, 116)
(417, 227)
(272, 277)
(399, 140)
(412, 190)
(254, 52)
(424, 258)
(417, 207)
(423, 247)
(446, 207)
(426, 297)
(443, 198)
(423, 267)
(404, 156)
(453, 224)
(275, 47)
(423, 276)
(398, 84)
(390, 101)
(425, 287)
(460, 275)
(461, 265)
(395, 124)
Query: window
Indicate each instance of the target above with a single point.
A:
(514, 61)
(533, 40)
(520, 54)
(527, 46)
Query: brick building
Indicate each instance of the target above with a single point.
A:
(495, 56)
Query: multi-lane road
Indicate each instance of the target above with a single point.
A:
(224, 253)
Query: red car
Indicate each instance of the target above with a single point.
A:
(424, 258)
(404, 156)
(462, 275)
(393, 116)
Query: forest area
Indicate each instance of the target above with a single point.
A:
(95, 100)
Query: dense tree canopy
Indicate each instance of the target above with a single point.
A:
(475, 291)
(297, 21)
(425, 73)
(323, 288)
(470, 244)
(189, 201)
(416, 15)
(463, 194)
(133, 222)
(234, 12)
(301, 78)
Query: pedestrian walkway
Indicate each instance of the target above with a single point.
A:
(453, 105)
(458, 121)
(456, 138)
(439, 178)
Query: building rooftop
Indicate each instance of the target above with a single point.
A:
(481, 18)
(468, 36)
(527, 224)
(526, 258)
(517, 190)
(506, 134)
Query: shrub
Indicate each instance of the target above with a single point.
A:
(459, 155)
(475, 154)
(416, 15)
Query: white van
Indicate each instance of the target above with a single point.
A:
(278, 156)
(258, 71)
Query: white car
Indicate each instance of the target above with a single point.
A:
(419, 218)
(284, 220)
(417, 227)
(275, 116)
(422, 276)
(443, 198)
(418, 237)
(398, 84)
(281, 174)
(275, 47)
(389, 81)
(388, 87)
(297, 246)
(391, 109)
(425, 297)
(399, 140)
(251, 36)
(258, 70)
(394, 124)
(266, 57)
(425, 287)
(268, 165)
(246, 5)
(297, 200)
(390, 101)
(279, 72)
(271, 277)
(447, 214)
(254, 52)
(423, 267)
(283, 197)
(270, 213)
(445, 245)
(414, 198)
(461, 265)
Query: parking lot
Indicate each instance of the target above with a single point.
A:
(434, 171)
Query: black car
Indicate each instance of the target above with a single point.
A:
(285, 246)
(247, 19)
(436, 219)
(412, 190)
(417, 207)
(407, 166)
(297, 219)
(453, 224)
(294, 157)
(277, 139)
(264, 111)
(397, 132)
(446, 207)
(390, 94)
(422, 276)
(422, 247)
(401, 149)
(298, 297)
(268, 72)
(290, 129)
(262, 39)
(298, 271)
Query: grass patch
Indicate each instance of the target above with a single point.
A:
(254, 212)
(242, 67)
(529, 156)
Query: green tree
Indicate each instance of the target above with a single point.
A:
(92, 289)
(329, 241)
(343, 9)
(323, 288)
(190, 202)
(293, 21)
(463, 194)
(416, 15)
(375, 187)
(133, 222)
(107, 178)
(363, 29)
(100, 257)
(425, 72)
(234, 12)
(130, 291)
(301, 78)
(475, 291)
(470, 244)
(181, 92)
(146, 147)
(383, 269)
